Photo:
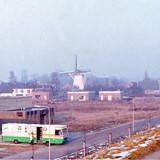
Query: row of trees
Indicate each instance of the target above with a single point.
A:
(53, 78)
(62, 83)
(60, 80)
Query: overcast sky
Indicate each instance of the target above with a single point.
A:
(110, 37)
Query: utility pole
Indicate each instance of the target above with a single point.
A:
(84, 145)
(149, 123)
(110, 138)
(49, 121)
(84, 148)
(49, 118)
(32, 152)
(129, 132)
(133, 114)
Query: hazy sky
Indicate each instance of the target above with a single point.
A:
(110, 37)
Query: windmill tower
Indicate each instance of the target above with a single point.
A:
(79, 77)
(78, 92)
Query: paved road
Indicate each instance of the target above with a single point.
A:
(76, 141)
(152, 156)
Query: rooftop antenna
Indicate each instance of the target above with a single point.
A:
(75, 63)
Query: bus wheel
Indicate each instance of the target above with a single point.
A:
(47, 143)
(15, 141)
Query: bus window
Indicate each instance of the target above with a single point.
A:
(44, 128)
(19, 127)
(65, 131)
(58, 132)
(25, 129)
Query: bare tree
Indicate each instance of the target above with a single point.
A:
(12, 77)
(35, 78)
(24, 76)
(55, 83)
(44, 78)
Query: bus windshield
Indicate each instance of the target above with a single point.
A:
(65, 131)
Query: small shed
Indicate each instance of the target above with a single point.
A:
(81, 95)
(39, 97)
(110, 95)
(32, 115)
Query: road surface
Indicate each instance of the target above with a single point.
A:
(152, 156)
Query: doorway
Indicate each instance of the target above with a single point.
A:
(39, 133)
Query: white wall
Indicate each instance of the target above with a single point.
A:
(6, 94)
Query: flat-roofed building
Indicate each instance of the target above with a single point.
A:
(32, 115)
(152, 92)
(16, 90)
(110, 95)
(40, 97)
(81, 95)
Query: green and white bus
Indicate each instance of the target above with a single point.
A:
(19, 132)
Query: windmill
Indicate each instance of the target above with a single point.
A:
(78, 76)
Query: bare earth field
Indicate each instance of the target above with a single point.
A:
(88, 116)
(15, 103)
(8, 149)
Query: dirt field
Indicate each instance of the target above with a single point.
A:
(87, 116)
(15, 103)
(8, 149)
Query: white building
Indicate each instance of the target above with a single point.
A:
(22, 92)
(110, 95)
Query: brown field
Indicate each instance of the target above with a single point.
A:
(93, 115)
(15, 103)
(87, 116)
(9, 149)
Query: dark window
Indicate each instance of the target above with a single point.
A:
(25, 129)
(28, 91)
(19, 95)
(37, 96)
(19, 114)
(57, 132)
(82, 97)
(19, 128)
